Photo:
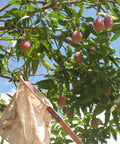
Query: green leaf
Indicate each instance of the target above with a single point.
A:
(26, 67)
(1, 56)
(46, 65)
(50, 23)
(6, 38)
(80, 11)
(69, 51)
(114, 60)
(107, 116)
(2, 141)
(46, 84)
(38, 19)
(35, 63)
(118, 1)
(99, 109)
(62, 21)
(13, 2)
(2, 101)
(23, 18)
(67, 9)
(89, 19)
(113, 107)
(115, 36)
(114, 133)
(116, 119)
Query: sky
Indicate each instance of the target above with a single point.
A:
(7, 87)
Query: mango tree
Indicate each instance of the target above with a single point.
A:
(82, 69)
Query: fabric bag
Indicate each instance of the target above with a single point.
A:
(26, 119)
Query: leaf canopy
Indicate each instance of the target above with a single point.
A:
(48, 26)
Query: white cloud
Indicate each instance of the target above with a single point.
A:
(5, 97)
(112, 141)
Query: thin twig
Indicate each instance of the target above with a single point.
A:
(7, 39)
(7, 77)
(49, 5)
(7, 5)
(4, 7)
(23, 27)
(14, 26)
(66, 40)
(106, 6)
(40, 74)
(117, 58)
(98, 7)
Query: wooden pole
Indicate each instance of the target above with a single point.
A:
(64, 125)
(56, 116)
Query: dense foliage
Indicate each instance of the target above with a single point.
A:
(48, 26)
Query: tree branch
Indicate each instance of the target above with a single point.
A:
(4, 7)
(10, 78)
(66, 40)
(2, 27)
(40, 75)
(12, 25)
(7, 5)
(117, 58)
(51, 5)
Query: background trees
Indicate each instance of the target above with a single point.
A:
(90, 86)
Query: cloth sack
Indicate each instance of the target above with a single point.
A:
(26, 119)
